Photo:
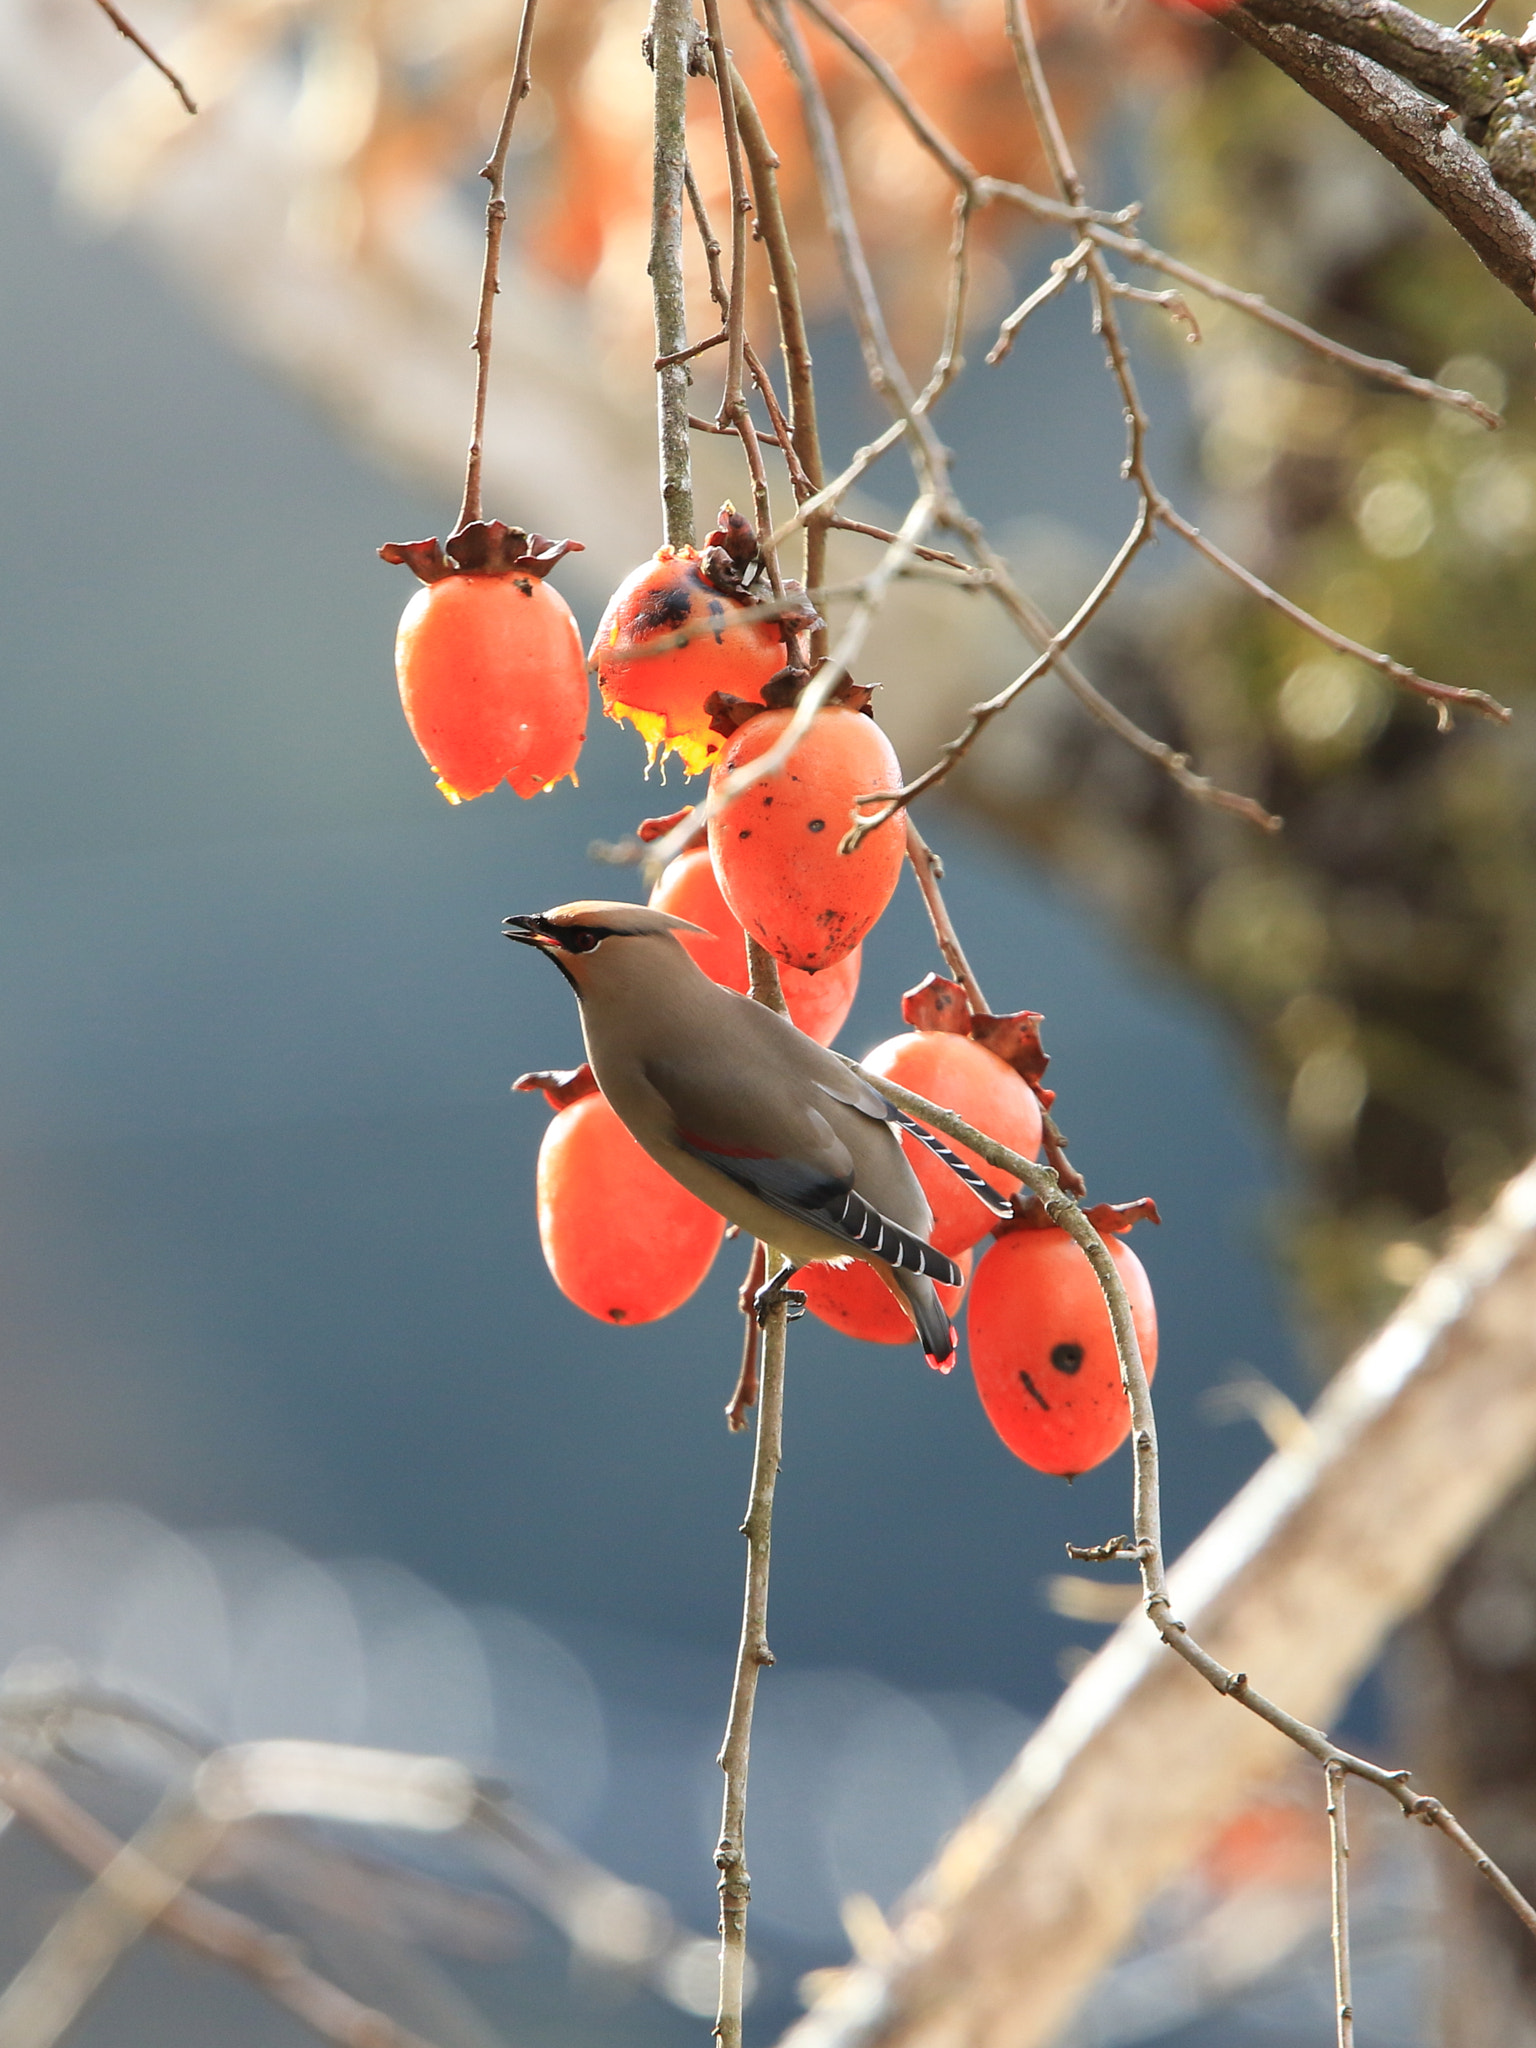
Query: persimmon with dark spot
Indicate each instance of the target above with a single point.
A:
(622, 1239)
(818, 1003)
(777, 843)
(1043, 1349)
(489, 661)
(961, 1075)
(662, 695)
(855, 1300)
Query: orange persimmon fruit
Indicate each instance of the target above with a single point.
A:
(855, 1300)
(493, 683)
(622, 1239)
(961, 1075)
(818, 1003)
(776, 844)
(1043, 1350)
(662, 695)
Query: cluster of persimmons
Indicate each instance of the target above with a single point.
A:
(494, 684)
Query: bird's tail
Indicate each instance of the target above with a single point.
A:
(933, 1325)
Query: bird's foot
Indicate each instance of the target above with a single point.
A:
(767, 1299)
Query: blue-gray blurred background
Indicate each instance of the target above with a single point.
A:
(296, 1431)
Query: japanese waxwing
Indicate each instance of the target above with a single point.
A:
(751, 1115)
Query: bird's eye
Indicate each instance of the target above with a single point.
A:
(578, 941)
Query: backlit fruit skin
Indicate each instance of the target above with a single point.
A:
(961, 1075)
(818, 1003)
(855, 1300)
(1043, 1352)
(776, 844)
(662, 695)
(493, 683)
(623, 1240)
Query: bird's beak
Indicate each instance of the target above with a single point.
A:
(525, 932)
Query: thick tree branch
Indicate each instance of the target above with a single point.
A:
(1470, 73)
(1411, 133)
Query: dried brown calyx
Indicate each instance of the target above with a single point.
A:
(781, 692)
(484, 547)
(940, 1005)
(732, 563)
(559, 1086)
(1108, 1218)
(937, 1004)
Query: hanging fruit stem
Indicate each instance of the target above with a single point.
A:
(495, 172)
(670, 46)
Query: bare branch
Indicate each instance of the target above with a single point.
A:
(981, 715)
(269, 1960)
(1444, 696)
(752, 1652)
(1258, 308)
(495, 172)
(126, 29)
(803, 434)
(967, 569)
(1338, 1841)
(744, 1396)
(929, 871)
(669, 42)
(1473, 77)
(1062, 272)
(1410, 132)
(1173, 303)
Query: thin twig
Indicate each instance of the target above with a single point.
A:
(1173, 303)
(884, 371)
(686, 355)
(744, 1397)
(703, 426)
(794, 339)
(929, 872)
(1062, 272)
(669, 41)
(741, 205)
(949, 362)
(751, 1656)
(1444, 696)
(1258, 308)
(843, 482)
(752, 1652)
(271, 1961)
(126, 29)
(1338, 1842)
(734, 409)
(977, 188)
(967, 569)
(981, 715)
(494, 171)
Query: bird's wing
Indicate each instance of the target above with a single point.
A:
(834, 1206)
(856, 1092)
(770, 1140)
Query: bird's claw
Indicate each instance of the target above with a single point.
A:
(770, 1297)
